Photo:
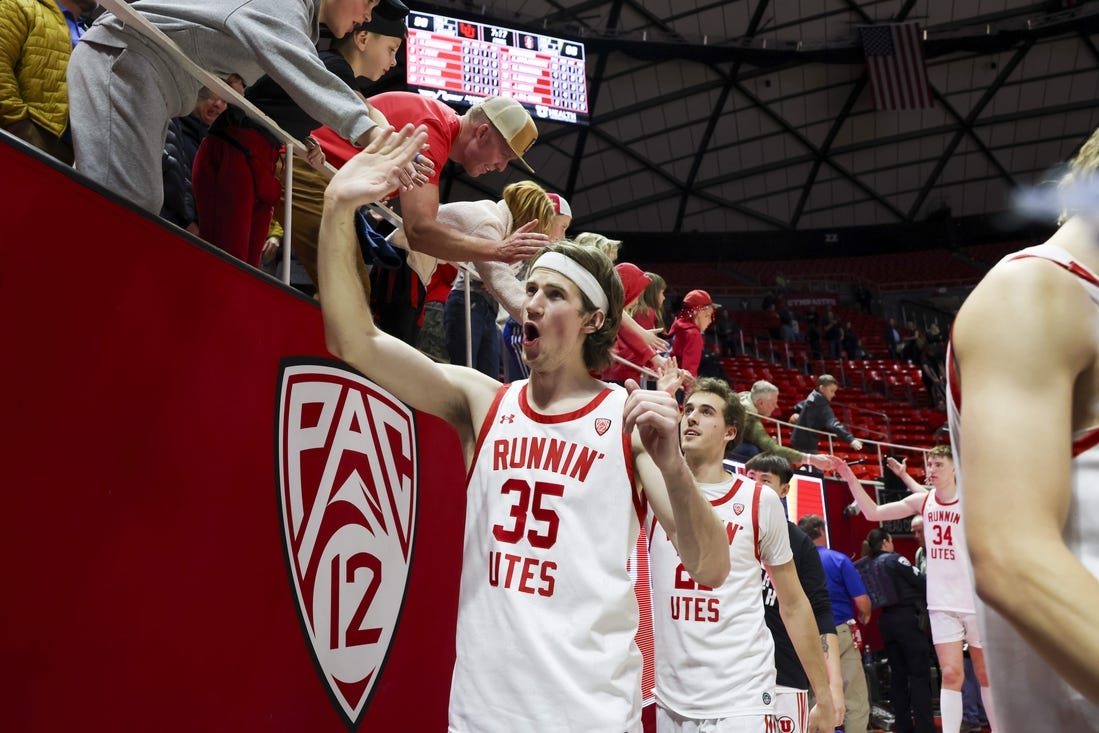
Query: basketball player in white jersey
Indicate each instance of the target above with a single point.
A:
(715, 663)
(951, 602)
(547, 614)
(1023, 379)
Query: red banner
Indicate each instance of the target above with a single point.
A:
(147, 581)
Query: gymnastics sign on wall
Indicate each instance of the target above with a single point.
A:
(461, 62)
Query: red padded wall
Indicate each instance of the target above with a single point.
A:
(144, 579)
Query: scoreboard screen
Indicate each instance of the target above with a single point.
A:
(461, 62)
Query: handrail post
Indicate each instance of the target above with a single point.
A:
(469, 320)
(288, 205)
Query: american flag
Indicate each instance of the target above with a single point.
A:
(895, 60)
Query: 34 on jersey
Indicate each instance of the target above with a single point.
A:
(942, 542)
(532, 521)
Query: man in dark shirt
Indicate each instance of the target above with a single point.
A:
(775, 472)
(815, 412)
(905, 643)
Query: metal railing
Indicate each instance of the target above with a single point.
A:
(880, 447)
(157, 37)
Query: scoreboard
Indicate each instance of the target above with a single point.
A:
(461, 62)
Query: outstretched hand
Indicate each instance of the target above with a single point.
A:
(378, 169)
(653, 341)
(832, 463)
(523, 244)
(423, 169)
(314, 154)
(655, 414)
(671, 376)
(898, 467)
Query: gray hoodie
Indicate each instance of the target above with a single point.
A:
(250, 38)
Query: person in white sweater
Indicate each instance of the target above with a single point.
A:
(491, 284)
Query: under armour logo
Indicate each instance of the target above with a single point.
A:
(509, 419)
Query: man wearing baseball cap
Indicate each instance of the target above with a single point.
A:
(694, 318)
(486, 138)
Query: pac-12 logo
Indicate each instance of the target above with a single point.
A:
(347, 467)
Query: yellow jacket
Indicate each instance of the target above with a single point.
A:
(34, 53)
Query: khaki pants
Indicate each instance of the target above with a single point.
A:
(306, 225)
(854, 683)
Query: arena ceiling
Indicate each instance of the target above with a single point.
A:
(711, 117)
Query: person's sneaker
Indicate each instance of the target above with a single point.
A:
(968, 727)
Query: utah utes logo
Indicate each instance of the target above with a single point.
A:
(347, 489)
(602, 425)
(786, 724)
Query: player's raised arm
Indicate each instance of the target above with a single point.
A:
(350, 331)
(872, 510)
(685, 514)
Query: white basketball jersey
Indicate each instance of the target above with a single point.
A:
(949, 578)
(714, 654)
(546, 613)
(1030, 695)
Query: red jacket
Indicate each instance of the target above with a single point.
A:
(628, 344)
(686, 344)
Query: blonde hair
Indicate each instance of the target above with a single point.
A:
(650, 299)
(607, 246)
(528, 201)
(941, 451)
(1082, 167)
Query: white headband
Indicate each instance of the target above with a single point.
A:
(572, 269)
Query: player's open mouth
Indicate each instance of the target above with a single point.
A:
(530, 332)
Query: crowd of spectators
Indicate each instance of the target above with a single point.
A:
(459, 263)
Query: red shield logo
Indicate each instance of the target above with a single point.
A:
(602, 425)
(737, 509)
(347, 461)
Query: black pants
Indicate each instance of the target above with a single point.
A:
(910, 666)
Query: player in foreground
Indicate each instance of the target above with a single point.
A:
(547, 614)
